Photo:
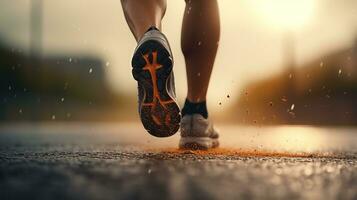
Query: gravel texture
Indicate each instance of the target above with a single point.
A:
(103, 162)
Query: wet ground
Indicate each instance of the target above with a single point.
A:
(120, 161)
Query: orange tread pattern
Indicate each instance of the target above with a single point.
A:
(152, 67)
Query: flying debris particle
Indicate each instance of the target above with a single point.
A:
(271, 103)
(70, 59)
(90, 70)
(20, 111)
(189, 9)
(290, 76)
(310, 90)
(149, 171)
(284, 99)
(220, 103)
(198, 74)
(339, 72)
(292, 106)
(255, 121)
(62, 99)
(53, 117)
(199, 43)
(9, 87)
(65, 86)
(321, 64)
(228, 96)
(107, 64)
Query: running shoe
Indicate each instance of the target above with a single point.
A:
(152, 64)
(197, 133)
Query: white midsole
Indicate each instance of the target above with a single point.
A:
(202, 141)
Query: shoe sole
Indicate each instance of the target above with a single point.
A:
(152, 67)
(198, 143)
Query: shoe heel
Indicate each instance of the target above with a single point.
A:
(152, 66)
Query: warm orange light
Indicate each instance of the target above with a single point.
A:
(291, 14)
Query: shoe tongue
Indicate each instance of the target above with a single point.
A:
(152, 28)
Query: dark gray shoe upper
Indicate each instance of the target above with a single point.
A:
(157, 36)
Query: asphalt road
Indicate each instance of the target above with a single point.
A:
(120, 161)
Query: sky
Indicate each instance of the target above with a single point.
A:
(251, 45)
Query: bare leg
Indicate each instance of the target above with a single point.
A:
(152, 67)
(199, 43)
(142, 14)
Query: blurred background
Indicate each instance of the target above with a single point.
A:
(279, 62)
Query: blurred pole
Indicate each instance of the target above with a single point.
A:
(289, 50)
(36, 30)
(290, 63)
(35, 68)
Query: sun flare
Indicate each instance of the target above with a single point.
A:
(284, 14)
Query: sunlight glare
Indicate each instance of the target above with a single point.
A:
(283, 14)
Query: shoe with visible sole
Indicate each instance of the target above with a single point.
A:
(152, 64)
(197, 133)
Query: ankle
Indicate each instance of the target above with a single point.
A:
(191, 108)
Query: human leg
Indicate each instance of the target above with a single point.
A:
(152, 67)
(143, 14)
(199, 43)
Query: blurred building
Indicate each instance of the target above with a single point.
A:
(58, 87)
(322, 92)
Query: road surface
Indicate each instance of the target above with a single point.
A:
(121, 161)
